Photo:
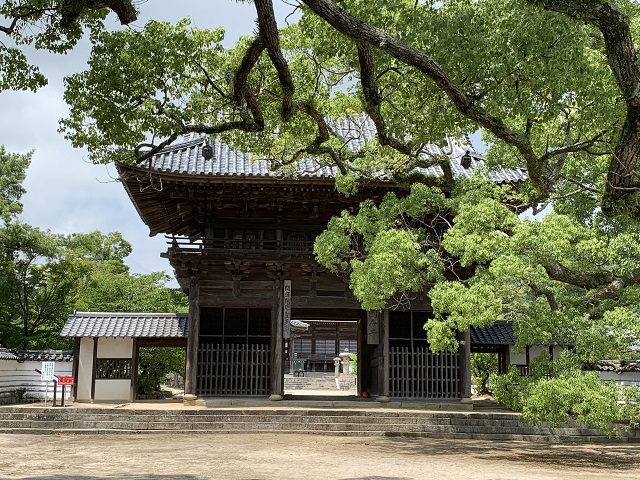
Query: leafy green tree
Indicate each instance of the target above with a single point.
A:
(38, 288)
(155, 363)
(110, 289)
(53, 25)
(12, 173)
(483, 367)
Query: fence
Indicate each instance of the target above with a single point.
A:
(233, 369)
(419, 373)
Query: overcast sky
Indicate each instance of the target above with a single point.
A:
(65, 193)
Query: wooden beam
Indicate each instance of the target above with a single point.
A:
(383, 359)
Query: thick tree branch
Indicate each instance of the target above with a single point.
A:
(72, 9)
(623, 61)
(545, 292)
(363, 32)
(559, 272)
(269, 33)
(241, 91)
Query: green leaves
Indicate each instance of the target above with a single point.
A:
(12, 173)
(387, 249)
(144, 85)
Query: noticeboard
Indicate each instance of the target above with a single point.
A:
(47, 371)
(65, 380)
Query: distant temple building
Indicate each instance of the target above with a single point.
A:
(240, 240)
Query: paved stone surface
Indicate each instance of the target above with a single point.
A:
(308, 457)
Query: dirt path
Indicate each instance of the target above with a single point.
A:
(308, 457)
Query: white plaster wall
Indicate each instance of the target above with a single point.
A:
(85, 369)
(622, 379)
(115, 347)
(520, 357)
(16, 375)
(111, 390)
(108, 390)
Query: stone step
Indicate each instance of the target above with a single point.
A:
(490, 426)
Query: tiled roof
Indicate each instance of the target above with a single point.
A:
(37, 355)
(6, 354)
(104, 324)
(497, 334)
(186, 158)
(617, 366)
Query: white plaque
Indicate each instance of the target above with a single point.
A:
(47, 371)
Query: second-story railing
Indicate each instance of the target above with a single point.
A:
(245, 245)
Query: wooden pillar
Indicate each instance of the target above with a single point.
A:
(464, 351)
(76, 366)
(191, 367)
(277, 343)
(134, 369)
(383, 358)
(94, 369)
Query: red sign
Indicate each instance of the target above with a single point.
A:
(65, 380)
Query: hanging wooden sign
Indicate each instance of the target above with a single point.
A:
(286, 310)
(373, 328)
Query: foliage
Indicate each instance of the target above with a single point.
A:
(483, 367)
(155, 363)
(38, 288)
(12, 173)
(53, 25)
(560, 391)
(112, 290)
(354, 363)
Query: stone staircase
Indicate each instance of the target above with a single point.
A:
(318, 383)
(332, 421)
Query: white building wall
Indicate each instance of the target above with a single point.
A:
(115, 347)
(519, 357)
(625, 379)
(22, 376)
(114, 390)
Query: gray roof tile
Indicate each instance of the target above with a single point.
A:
(497, 334)
(617, 366)
(37, 355)
(110, 324)
(186, 158)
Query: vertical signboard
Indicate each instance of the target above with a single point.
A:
(46, 376)
(286, 306)
(373, 328)
(47, 371)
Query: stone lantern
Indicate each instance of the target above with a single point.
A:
(345, 359)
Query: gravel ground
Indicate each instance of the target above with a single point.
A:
(308, 457)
